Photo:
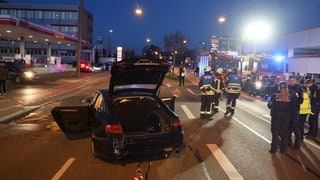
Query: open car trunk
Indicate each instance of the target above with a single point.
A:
(142, 115)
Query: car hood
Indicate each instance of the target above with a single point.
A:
(137, 75)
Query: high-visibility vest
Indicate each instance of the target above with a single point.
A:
(305, 107)
(217, 86)
(234, 84)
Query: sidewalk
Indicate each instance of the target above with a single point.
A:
(10, 108)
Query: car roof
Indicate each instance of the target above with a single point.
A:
(137, 75)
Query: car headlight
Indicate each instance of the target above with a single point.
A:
(29, 74)
(258, 85)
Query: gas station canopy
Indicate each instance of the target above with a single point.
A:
(13, 28)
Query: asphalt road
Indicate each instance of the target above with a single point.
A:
(235, 147)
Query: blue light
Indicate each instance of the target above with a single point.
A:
(279, 58)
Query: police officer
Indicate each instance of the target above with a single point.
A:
(233, 91)
(315, 108)
(295, 92)
(218, 87)
(206, 86)
(279, 111)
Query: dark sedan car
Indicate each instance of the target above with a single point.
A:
(129, 118)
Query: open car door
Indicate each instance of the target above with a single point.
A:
(72, 119)
(169, 101)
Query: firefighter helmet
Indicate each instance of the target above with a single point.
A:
(207, 69)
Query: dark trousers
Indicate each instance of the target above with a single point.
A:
(206, 105)
(279, 127)
(231, 101)
(313, 122)
(216, 100)
(3, 86)
(294, 128)
(302, 120)
(181, 80)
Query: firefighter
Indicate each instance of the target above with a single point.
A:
(279, 105)
(206, 85)
(233, 88)
(218, 87)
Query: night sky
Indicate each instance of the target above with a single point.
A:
(196, 19)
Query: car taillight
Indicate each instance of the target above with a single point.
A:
(176, 122)
(113, 128)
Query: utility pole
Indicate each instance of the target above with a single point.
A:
(79, 37)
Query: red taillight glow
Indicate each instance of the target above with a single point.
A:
(113, 128)
(176, 122)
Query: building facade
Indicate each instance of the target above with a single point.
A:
(60, 18)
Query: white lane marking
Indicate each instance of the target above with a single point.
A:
(269, 122)
(254, 114)
(250, 129)
(197, 94)
(188, 112)
(224, 162)
(63, 169)
(204, 169)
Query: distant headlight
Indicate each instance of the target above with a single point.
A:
(29, 74)
(258, 85)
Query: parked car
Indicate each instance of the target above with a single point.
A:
(99, 67)
(85, 66)
(128, 119)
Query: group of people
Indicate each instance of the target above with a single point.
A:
(213, 85)
(290, 106)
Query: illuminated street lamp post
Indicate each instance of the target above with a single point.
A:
(173, 60)
(148, 40)
(109, 42)
(222, 19)
(257, 31)
(138, 10)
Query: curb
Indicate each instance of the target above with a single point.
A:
(18, 113)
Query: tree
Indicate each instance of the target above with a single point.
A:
(174, 42)
(152, 51)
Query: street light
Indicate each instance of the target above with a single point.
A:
(138, 10)
(148, 40)
(257, 31)
(222, 19)
(109, 42)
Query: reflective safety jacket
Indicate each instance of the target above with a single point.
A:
(206, 84)
(305, 107)
(234, 84)
(218, 85)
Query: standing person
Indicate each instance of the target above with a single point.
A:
(206, 86)
(275, 86)
(182, 73)
(4, 75)
(233, 91)
(305, 109)
(279, 111)
(315, 108)
(296, 99)
(218, 86)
